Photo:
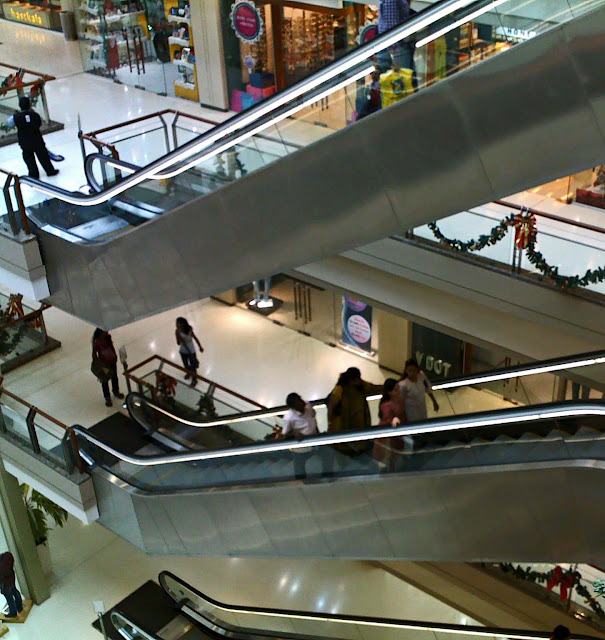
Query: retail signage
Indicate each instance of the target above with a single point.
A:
(367, 32)
(246, 21)
(439, 355)
(515, 34)
(356, 324)
(28, 14)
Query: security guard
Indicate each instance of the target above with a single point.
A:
(28, 124)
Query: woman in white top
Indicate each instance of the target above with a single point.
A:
(186, 339)
(413, 387)
(299, 422)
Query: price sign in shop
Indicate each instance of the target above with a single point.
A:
(246, 21)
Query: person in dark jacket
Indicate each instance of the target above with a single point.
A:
(7, 584)
(104, 353)
(28, 124)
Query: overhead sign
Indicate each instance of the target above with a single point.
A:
(29, 15)
(246, 21)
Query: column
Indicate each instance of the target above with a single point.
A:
(209, 59)
(19, 540)
(395, 336)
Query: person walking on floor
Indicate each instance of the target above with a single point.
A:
(29, 136)
(105, 364)
(299, 422)
(413, 387)
(8, 585)
(186, 339)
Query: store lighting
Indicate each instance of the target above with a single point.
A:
(455, 25)
(273, 103)
(449, 424)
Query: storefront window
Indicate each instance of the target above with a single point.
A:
(143, 43)
(296, 40)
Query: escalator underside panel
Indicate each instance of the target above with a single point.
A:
(522, 118)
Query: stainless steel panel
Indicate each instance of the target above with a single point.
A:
(524, 117)
(292, 531)
(549, 512)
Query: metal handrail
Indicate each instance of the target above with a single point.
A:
(281, 104)
(506, 373)
(374, 621)
(503, 417)
(32, 411)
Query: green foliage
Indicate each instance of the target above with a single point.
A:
(599, 587)
(592, 276)
(9, 339)
(39, 510)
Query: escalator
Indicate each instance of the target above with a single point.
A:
(175, 610)
(517, 484)
(496, 125)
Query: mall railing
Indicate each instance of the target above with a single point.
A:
(580, 248)
(13, 218)
(23, 334)
(353, 71)
(562, 584)
(22, 82)
(168, 385)
(35, 430)
(238, 621)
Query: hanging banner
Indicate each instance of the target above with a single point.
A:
(356, 324)
(246, 21)
(367, 32)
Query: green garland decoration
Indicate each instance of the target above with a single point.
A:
(539, 577)
(592, 276)
(599, 586)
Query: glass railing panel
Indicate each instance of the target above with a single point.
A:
(429, 446)
(15, 425)
(572, 249)
(466, 35)
(323, 624)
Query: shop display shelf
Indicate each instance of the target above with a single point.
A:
(95, 37)
(183, 63)
(179, 41)
(178, 19)
(88, 9)
(185, 85)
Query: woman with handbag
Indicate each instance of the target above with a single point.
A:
(105, 364)
(186, 339)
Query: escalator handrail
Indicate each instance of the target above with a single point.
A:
(502, 417)
(512, 634)
(116, 163)
(284, 100)
(545, 366)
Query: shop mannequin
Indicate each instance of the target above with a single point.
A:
(264, 301)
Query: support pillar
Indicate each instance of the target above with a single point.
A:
(20, 539)
(209, 58)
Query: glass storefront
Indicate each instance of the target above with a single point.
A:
(144, 43)
(291, 40)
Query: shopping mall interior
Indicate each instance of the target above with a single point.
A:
(301, 328)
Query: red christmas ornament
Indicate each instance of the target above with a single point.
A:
(525, 230)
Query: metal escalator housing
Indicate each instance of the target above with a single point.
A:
(525, 117)
(519, 508)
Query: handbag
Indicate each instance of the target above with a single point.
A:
(101, 371)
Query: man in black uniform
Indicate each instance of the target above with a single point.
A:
(28, 124)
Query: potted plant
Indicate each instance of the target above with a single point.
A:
(39, 510)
